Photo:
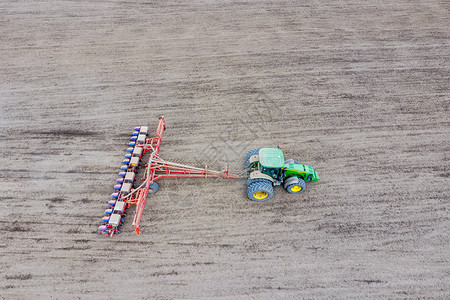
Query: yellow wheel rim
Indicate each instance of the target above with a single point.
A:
(296, 188)
(260, 195)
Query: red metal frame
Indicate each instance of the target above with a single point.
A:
(157, 168)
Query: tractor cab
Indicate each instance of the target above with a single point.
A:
(271, 162)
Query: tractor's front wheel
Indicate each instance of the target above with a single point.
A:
(295, 185)
(261, 190)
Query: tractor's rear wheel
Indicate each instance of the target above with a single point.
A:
(249, 154)
(291, 161)
(295, 186)
(261, 190)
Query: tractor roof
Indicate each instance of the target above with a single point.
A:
(271, 158)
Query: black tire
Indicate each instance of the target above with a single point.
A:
(296, 187)
(153, 188)
(250, 181)
(291, 161)
(260, 191)
(250, 153)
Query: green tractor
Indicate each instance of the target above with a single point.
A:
(267, 168)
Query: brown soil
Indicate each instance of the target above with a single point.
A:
(358, 90)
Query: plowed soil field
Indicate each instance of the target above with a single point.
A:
(357, 89)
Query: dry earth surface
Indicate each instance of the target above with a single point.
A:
(357, 89)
